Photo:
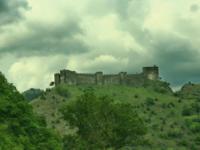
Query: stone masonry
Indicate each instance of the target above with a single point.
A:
(73, 78)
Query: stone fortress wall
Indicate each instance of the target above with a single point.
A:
(72, 78)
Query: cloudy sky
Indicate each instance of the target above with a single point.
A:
(40, 37)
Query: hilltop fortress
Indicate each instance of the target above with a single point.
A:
(72, 78)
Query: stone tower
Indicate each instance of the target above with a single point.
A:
(122, 76)
(99, 78)
(151, 73)
(57, 79)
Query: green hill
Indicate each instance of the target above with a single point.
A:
(32, 94)
(172, 120)
(190, 91)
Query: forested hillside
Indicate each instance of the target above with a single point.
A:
(172, 121)
(111, 117)
(20, 128)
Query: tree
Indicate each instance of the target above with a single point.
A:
(20, 128)
(32, 94)
(101, 123)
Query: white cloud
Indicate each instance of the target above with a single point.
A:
(32, 72)
(118, 35)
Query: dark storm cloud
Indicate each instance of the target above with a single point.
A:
(177, 58)
(3, 6)
(10, 10)
(48, 40)
(107, 35)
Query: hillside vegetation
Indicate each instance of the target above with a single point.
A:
(32, 94)
(20, 128)
(190, 91)
(172, 120)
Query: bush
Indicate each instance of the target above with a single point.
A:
(153, 112)
(161, 90)
(20, 128)
(58, 121)
(174, 133)
(43, 97)
(171, 113)
(195, 128)
(149, 101)
(182, 142)
(53, 114)
(171, 105)
(187, 111)
(102, 123)
(63, 91)
(136, 96)
(197, 140)
(164, 105)
(179, 100)
(155, 126)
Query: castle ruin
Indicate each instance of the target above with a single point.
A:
(72, 78)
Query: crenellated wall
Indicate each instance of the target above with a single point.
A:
(73, 78)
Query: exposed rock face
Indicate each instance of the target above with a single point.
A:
(73, 78)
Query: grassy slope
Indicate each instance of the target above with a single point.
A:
(162, 113)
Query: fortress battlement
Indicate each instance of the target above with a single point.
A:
(73, 78)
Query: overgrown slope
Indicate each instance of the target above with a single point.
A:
(173, 122)
(190, 91)
(20, 128)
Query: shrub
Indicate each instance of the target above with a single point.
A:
(63, 91)
(187, 111)
(164, 106)
(163, 121)
(195, 128)
(197, 140)
(74, 142)
(162, 90)
(136, 96)
(171, 113)
(182, 142)
(179, 100)
(53, 114)
(20, 128)
(171, 105)
(163, 135)
(153, 112)
(43, 97)
(196, 107)
(171, 126)
(149, 101)
(148, 109)
(57, 121)
(175, 133)
(176, 94)
(148, 120)
(155, 126)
